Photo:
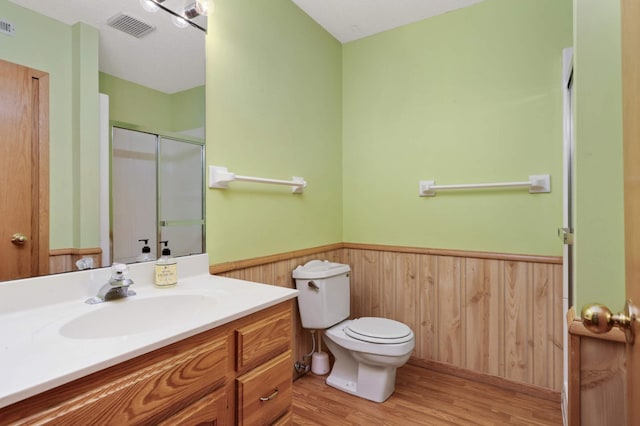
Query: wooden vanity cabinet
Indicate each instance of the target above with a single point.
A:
(191, 382)
(206, 411)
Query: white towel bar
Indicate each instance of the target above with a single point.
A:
(219, 177)
(536, 184)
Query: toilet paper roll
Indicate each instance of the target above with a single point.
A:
(320, 363)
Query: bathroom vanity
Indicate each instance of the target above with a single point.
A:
(228, 361)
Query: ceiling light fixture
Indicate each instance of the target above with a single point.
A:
(185, 18)
(179, 21)
(150, 5)
(196, 9)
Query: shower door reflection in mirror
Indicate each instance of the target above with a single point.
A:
(157, 194)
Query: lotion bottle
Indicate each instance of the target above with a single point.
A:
(166, 268)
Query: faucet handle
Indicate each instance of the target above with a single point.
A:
(119, 275)
(118, 271)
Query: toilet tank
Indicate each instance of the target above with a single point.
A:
(324, 296)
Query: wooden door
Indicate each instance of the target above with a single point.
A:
(631, 134)
(24, 171)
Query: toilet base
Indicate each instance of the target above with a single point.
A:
(350, 374)
(372, 383)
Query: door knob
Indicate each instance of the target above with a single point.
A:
(18, 238)
(598, 319)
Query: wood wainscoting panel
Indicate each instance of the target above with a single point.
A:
(406, 287)
(501, 317)
(449, 310)
(495, 316)
(64, 260)
(484, 310)
(426, 338)
(516, 322)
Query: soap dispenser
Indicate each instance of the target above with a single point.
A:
(166, 268)
(145, 256)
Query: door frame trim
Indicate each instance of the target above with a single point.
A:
(41, 152)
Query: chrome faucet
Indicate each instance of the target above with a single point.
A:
(116, 288)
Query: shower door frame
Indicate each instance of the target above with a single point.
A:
(158, 136)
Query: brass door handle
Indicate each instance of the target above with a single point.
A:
(18, 238)
(598, 319)
(270, 397)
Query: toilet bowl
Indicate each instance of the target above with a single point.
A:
(367, 350)
(365, 365)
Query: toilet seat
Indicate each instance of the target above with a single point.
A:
(378, 330)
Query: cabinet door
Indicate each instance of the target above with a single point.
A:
(208, 411)
(145, 396)
(265, 393)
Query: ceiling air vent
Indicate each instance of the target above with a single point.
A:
(130, 25)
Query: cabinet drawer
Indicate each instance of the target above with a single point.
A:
(262, 340)
(210, 410)
(147, 395)
(265, 393)
(285, 420)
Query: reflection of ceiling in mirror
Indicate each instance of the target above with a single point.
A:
(169, 59)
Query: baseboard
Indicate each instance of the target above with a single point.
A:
(501, 382)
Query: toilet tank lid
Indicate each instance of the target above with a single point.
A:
(315, 269)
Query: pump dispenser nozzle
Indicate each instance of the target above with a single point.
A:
(145, 256)
(165, 251)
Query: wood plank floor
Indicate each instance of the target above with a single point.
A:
(422, 397)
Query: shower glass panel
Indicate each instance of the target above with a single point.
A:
(181, 207)
(133, 193)
(157, 194)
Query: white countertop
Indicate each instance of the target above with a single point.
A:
(39, 350)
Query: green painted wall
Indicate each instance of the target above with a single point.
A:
(188, 109)
(599, 222)
(273, 110)
(470, 96)
(86, 128)
(136, 104)
(51, 46)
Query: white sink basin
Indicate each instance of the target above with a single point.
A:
(133, 315)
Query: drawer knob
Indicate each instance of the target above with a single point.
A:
(270, 397)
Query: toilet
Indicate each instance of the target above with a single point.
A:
(367, 350)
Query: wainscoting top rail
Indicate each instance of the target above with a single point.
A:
(219, 268)
(219, 177)
(536, 184)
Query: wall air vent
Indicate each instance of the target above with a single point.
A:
(130, 25)
(7, 27)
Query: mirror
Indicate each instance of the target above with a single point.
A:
(154, 80)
